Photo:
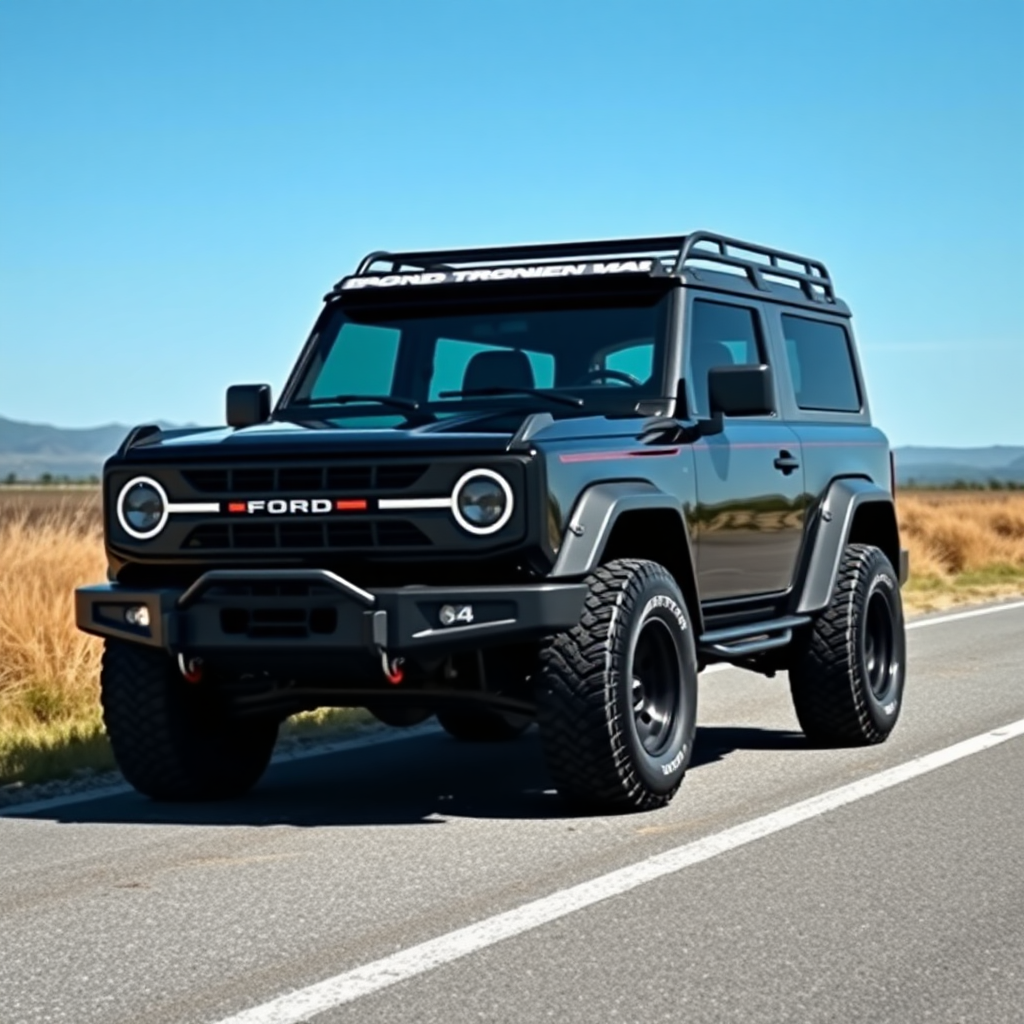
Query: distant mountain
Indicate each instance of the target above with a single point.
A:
(936, 466)
(29, 450)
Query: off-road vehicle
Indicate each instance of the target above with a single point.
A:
(542, 482)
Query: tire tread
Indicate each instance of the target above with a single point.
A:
(579, 717)
(154, 737)
(825, 683)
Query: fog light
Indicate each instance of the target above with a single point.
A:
(137, 615)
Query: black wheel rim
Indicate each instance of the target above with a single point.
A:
(880, 663)
(655, 686)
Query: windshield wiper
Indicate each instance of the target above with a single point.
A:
(397, 403)
(499, 390)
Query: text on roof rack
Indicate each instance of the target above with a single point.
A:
(499, 274)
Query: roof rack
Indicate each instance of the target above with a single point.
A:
(449, 259)
(811, 276)
(670, 252)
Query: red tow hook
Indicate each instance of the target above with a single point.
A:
(392, 668)
(191, 669)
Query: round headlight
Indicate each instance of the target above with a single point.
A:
(482, 501)
(142, 508)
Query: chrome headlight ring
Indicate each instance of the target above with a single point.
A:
(165, 509)
(503, 488)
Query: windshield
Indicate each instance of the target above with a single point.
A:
(603, 356)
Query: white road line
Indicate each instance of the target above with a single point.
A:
(304, 1003)
(956, 616)
(408, 734)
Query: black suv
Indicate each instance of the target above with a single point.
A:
(545, 482)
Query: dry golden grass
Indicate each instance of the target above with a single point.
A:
(50, 542)
(964, 546)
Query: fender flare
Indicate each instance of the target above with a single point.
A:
(830, 534)
(594, 516)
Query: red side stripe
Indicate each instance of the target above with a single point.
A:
(353, 505)
(236, 506)
(603, 456)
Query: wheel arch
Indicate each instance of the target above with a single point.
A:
(853, 511)
(630, 519)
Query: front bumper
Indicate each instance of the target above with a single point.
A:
(313, 611)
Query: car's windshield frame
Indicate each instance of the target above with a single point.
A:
(605, 398)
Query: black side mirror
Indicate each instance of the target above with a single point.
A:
(741, 391)
(248, 404)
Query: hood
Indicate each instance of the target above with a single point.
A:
(462, 434)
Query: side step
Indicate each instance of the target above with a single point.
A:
(739, 642)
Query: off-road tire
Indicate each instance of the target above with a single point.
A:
(846, 678)
(172, 740)
(482, 725)
(591, 726)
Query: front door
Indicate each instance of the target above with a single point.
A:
(750, 493)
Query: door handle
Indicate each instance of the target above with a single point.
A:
(786, 463)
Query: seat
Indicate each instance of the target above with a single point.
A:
(499, 369)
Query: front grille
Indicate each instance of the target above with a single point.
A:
(261, 620)
(266, 536)
(278, 623)
(364, 480)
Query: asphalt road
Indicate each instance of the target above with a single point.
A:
(895, 904)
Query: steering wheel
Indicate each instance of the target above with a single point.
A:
(606, 374)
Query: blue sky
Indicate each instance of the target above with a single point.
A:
(181, 181)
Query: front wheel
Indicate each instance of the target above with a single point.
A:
(849, 668)
(173, 740)
(617, 700)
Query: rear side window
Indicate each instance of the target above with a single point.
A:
(720, 335)
(820, 365)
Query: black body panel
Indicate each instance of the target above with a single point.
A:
(324, 540)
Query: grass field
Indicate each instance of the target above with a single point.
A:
(964, 546)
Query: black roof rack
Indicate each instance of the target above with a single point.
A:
(450, 259)
(811, 276)
(671, 252)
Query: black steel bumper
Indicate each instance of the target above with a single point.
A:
(317, 612)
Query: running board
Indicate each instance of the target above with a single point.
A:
(738, 642)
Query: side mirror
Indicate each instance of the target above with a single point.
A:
(248, 404)
(741, 391)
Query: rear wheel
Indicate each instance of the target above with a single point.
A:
(174, 740)
(618, 693)
(482, 725)
(848, 670)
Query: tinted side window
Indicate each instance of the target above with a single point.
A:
(820, 365)
(720, 335)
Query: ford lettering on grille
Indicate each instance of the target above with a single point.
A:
(297, 506)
